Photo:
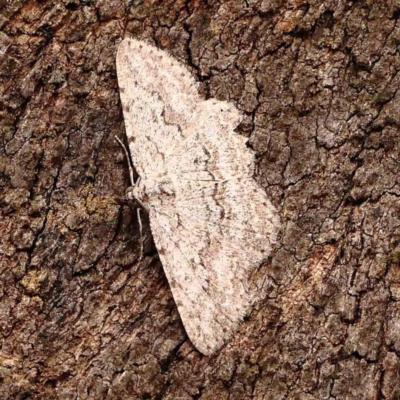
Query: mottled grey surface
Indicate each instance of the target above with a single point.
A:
(318, 83)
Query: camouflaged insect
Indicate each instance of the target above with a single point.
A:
(212, 223)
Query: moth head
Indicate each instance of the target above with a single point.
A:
(137, 193)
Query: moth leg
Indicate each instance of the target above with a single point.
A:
(129, 161)
(141, 233)
(130, 196)
(129, 191)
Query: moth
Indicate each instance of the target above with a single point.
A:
(212, 223)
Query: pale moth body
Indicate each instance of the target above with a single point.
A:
(212, 223)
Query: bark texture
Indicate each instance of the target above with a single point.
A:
(318, 82)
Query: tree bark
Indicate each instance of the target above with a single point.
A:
(82, 318)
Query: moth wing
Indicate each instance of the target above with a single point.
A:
(207, 246)
(158, 98)
(214, 164)
(218, 227)
(220, 223)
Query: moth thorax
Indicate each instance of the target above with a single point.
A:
(136, 192)
(162, 187)
(150, 191)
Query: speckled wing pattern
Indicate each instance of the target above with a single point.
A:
(212, 223)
